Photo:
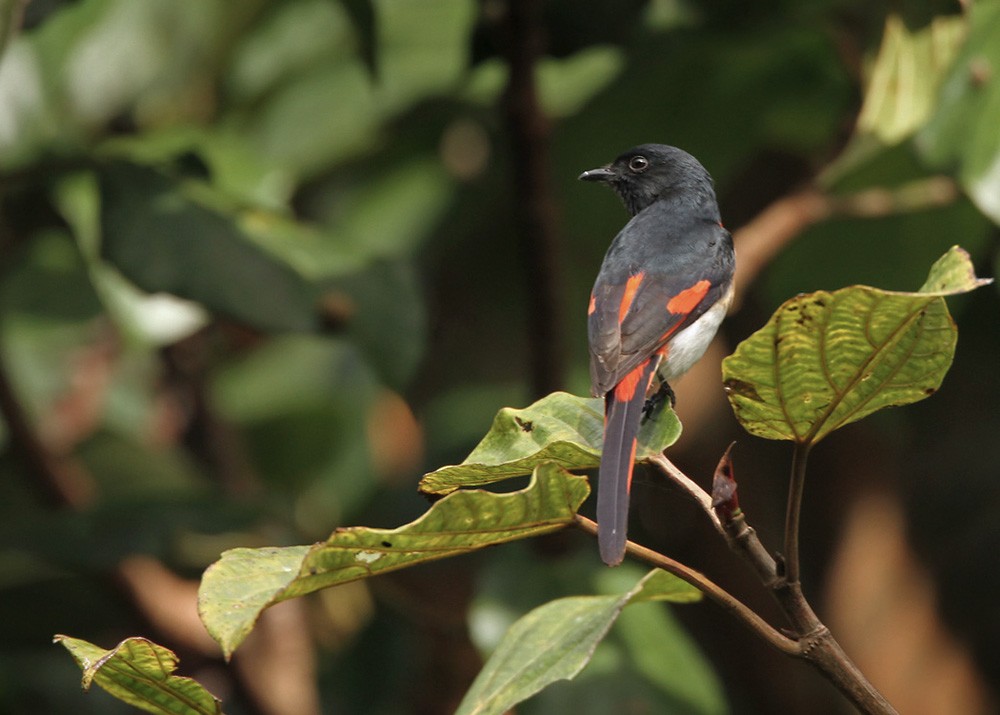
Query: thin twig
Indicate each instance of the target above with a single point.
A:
(715, 592)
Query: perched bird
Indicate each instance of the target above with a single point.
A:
(662, 291)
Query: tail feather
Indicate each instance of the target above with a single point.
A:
(622, 415)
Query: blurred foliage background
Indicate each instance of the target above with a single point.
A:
(265, 263)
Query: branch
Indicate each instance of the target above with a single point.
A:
(715, 592)
(812, 640)
(760, 240)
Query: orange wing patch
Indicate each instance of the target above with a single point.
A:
(688, 299)
(631, 286)
(593, 305)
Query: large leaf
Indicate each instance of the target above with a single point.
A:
(825, 359)
(555, 641)
(560, 428)
(140, 673)
(962, 134)
(164, 238)
(244, 582)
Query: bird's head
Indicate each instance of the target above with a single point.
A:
(649, 172)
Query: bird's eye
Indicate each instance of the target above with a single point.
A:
(638, 164)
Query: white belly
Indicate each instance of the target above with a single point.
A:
(687, 347)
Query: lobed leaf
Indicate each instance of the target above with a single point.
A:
(555, 641)
(238, 587)
(140, 673)
(825, 359)
(560, 428)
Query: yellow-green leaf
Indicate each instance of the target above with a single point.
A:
(560, 428)
(244, 582)
(826, 359)
(140, 673)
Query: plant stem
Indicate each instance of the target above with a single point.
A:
(715, 592)
(813, 641)
(794, 512)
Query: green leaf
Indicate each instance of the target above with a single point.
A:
(906, 75)
(139, 672)
(555, 641)
(164, 238)
(560, 428)
(962, 134)
(244, 582)
(825, 359)
(10, 21)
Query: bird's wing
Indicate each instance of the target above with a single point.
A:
(638, 305)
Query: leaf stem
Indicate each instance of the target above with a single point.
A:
(793, 513)
(715, 592)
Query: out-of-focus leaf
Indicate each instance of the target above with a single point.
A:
(244, 582)
(140, 673)
(560, 428)
(962, 134)
(565, 85)
(905, 77)
(423, 49)
(555, 641)
(10, 20)
(825, 359)
(289, 40)
(363, 18)
(164, 239)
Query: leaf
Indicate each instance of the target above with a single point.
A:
(244, 582)
(560, 428)
(163, 238)
(10, 21)
(555, 641)
(139, 672)
(906, 75)
(962, 134)
(825, 359)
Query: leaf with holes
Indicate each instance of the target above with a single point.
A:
(560, 428)
(140, 673)
(826, 359)
(244, 582)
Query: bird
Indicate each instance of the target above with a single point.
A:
(662, 291)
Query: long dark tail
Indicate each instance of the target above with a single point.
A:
(622, 414)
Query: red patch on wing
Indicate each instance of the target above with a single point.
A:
(625, 390)
(631, 286)
(593, 305)
(686, 301)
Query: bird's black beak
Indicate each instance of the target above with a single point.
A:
(605, 173)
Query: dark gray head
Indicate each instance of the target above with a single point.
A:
(649, 172)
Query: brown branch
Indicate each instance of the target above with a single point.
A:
(715, 592)
(534, 208)
(812, 640)
(760, 240)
